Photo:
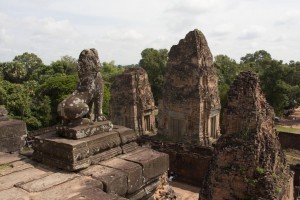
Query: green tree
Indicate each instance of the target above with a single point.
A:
(57, 88)
(108, 71)
(66, 65)
(227, 70)
(14, 72)
(275, 81)
(30, 61)
(154, 62)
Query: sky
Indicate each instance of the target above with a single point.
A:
(121, 29)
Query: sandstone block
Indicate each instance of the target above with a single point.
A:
(154, 163)
(75, 150)
(26, 175)
(8, 158)
(126, 134)
(82, 131)
(60, 163)
(95, 194)
(126, 148)
(70, 189)
(47, 181)
(13, 194)
(12, 133)
(105, 155)
(131, 169)
(114, 181)
(17, 166)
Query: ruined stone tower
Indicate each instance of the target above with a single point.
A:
(248, 162)
(190, 106)
(132, 103)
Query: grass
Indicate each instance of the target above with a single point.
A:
(287, 129)
(5, 167)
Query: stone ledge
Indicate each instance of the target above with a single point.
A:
(154, 163)
(75, 150)
(114, 181)
(83, 131)
(132, 170)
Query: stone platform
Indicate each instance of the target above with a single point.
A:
(71, 155)
(114, 179)
(119, 165)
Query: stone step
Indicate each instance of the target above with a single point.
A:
(26, 175)
(6, 158)
(71, 189)
(48, 181)
(154, 163)
(14, 193)
(132, 170)
(17, 166)
(114, 181)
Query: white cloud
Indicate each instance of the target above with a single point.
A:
(251, 33)
(122, 35)
(192, 7)
(289, 18)
(120, 30)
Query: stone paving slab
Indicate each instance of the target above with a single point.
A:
(47, 181)
(17, 166)
(26, 175)
(14, 194)
(154, 163)
(8, 158)
(132, 170)
(114, 181)
(69, 190)
(94, 194)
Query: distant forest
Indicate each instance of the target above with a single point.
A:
(31, 90)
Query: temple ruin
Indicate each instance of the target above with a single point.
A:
(190, 108)
(248, 161)
(132, 103)
(120, 166)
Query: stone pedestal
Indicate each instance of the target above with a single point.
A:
(69, 154)
(82, 131)
(12, 133)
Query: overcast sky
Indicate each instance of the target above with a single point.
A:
(121, 29)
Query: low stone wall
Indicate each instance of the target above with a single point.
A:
(12, 134)
(188, 162)
(289, 140)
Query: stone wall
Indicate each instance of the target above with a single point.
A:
(12, 134)
(189, 163)
(190, 106)
(132, 103)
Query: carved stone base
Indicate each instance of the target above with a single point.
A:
(69, 154)
(82, 131)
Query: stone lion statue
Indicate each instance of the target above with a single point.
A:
(84, 105)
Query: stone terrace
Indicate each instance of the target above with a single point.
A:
(22, 178)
